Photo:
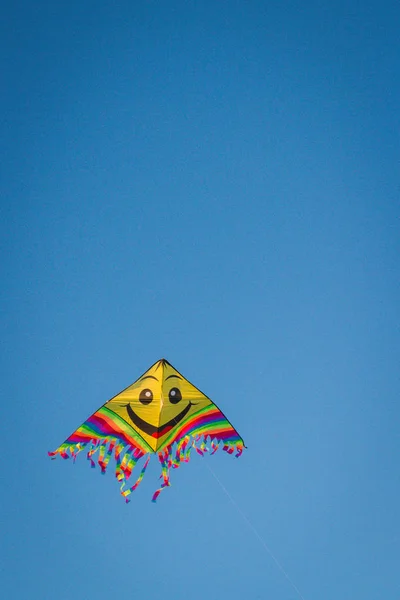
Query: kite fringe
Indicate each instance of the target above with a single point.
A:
(127, 456)
(127, 492)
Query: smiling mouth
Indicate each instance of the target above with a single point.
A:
(156, 432)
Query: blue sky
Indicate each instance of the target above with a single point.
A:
(216, 184)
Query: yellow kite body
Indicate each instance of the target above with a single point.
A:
(157, 402)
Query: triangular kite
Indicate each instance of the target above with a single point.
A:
(161, 413)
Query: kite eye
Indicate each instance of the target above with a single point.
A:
(146, 396)
(175, 396)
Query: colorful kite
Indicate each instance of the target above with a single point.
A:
(161, 413)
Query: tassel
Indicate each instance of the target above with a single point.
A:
(164, 458)
(127, 492)
(94, 447)
(100, 460)
(78, 448)
(156, 494)
(129, 467)
(239, 448)
(228, 448)
(108, 455)
(214, 447)
(124, 462)
(188, 451)
(117, 456)
(203, 446)
(197, 449)
(185, 443)
(179, 454)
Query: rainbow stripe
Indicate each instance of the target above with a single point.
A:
(105, 424)
(207, 422)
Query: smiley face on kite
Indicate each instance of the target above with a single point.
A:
(158, 402)
(145, 397)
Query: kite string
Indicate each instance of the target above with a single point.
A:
(254, 530)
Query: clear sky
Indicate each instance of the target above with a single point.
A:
(216, 183)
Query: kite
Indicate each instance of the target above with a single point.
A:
(161, 413)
